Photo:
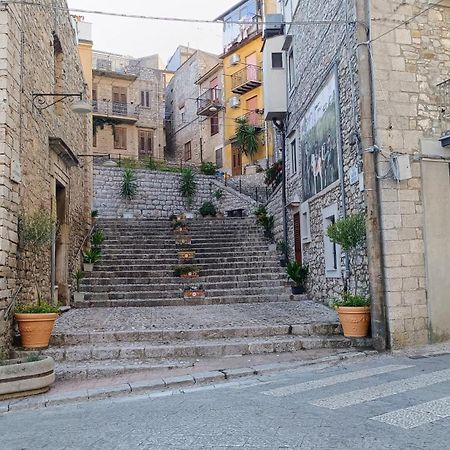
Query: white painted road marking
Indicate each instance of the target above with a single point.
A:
(331, 381)
(417, 415)
(382, 390)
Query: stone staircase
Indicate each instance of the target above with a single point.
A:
(134, 317)
(138, 259)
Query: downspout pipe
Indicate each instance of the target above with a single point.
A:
(280, 125)
(380, 335)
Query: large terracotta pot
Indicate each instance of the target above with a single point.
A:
(355, 320)
(35, 329)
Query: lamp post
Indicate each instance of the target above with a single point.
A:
(43, 101)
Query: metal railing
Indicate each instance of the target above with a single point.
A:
(111, 108)
(247, 78)
(212, 98)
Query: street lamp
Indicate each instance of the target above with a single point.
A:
(42, 101)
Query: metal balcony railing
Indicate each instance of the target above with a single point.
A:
(110, 108)
(246, 79)
(210, 102)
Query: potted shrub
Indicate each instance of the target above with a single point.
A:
(77, 295)
(283, 249)
(353, 308)
(186, 255)
(36, 321)
(94, 215)
(208, 210)
(298, 274)
(90, 257)
(180, 226)
(183, 240)
(187, 272)
(97, 238)
(247, 138)
(194, 292)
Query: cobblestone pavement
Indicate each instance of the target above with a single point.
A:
(236, 315)
(386, 402)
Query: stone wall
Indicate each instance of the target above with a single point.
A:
(409, 64)
(319, 52)
(30, 166)
(158, 196)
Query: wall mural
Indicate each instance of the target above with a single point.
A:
(318, 141)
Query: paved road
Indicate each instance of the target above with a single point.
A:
(382, 403)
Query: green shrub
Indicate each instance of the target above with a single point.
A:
(128, 163)
(94, 213)
(129, 184)
(78, 276)
(349, 299)
(246, 137)
(208, 209)
(297, 272)
(208, 168)
(188, 186)
(179, 224)
(219, 194)
(183, 270)
(92, 256)
(36, 230)
(42, 308)
(97, 238)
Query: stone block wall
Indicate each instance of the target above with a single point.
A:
(158, 195)
(29, 165)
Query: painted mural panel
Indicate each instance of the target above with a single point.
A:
(318, 140)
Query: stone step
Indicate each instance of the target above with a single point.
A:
(204, 253)
(179, 301)
(147, 351)
(173, 259)
(177, 335)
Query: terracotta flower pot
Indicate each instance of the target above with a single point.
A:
(355, 320)
(186, 255)
(181, 230)
(194, 294)
(35, 329)
(190, 275)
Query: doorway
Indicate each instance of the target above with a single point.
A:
(61, 246)
(236, 160)
(298, 238)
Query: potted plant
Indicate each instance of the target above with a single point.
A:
(353, 308)
(208, 210)
(186, 255)
(94, 215)
(30, 375)
(180, 226)
(194, 292)
(247, 138)
(97, 238)
(183, 240)
(187, 272)
(36, 321)
(77, 295)
(283, 249)
(188, 186)
(298, 274)
(90, 257)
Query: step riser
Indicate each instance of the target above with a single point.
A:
(191, 335)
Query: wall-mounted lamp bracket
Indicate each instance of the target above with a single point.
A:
(43, 101)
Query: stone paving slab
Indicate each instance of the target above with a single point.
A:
(208, 316)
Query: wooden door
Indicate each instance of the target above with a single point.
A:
(298, 238)
(145, 143)
(251, 63)
(237, 160)
(119, 100)
(252, 106)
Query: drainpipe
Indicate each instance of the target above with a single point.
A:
(280, 125)
(372, 188)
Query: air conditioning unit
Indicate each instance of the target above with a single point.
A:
(273, 25)
(235, 59)
(235, 102)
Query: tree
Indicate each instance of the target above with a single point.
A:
(246, 137)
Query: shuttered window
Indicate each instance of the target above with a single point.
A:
(120, 138)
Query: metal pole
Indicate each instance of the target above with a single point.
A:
(380, 334)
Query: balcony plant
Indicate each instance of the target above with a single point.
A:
(36, 320)
(208, 210)
(297, 273)
(247, 138)
(353, 308)
(90, 257)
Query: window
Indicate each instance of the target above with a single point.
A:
(119, 100)
(187, 151)
(277, 60)
(120, 138)
(214, 122)
(294, 164)
(145, 99)
(58, 60)
(94, 138)
(219, 158)
(145, 142)
(183, 114)
(291, 70)
(305, 223)
(332, 250)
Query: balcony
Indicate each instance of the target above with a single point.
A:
(210, 102)
(246, 79)
(126, 112)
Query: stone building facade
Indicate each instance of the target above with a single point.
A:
(326, 85)
(183, 125)
(41, 167)
(128, 106)
(210, 110)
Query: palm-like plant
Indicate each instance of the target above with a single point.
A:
(246, 137)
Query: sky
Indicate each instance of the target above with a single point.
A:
(137, 37)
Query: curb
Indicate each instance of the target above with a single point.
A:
(161, 384)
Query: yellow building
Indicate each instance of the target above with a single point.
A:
(243, 83)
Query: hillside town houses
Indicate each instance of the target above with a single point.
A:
(314, 111)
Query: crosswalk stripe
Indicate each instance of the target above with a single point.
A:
(417, 415)
(336, 379)
(382, 390)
